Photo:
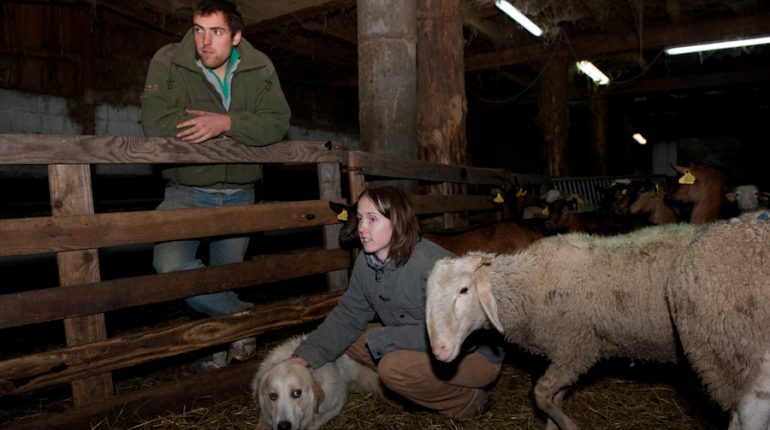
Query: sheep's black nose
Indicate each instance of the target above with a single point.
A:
(284, 425)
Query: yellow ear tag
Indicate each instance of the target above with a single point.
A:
(657, 190)
(343, 216)
(499, 198)
(521, 193)
(545, 211)
(730, 197)
(624, 192)
(687, 178)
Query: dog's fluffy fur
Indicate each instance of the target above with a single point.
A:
(291, 396)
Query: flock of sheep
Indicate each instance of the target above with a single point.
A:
(696, 292)
(702, 289)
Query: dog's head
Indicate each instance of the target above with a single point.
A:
(287, 395)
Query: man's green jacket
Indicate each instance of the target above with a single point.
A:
(258, 109)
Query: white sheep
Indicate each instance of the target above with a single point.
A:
(574, 298)
(746, 197)
(720, 304)
(577, 299)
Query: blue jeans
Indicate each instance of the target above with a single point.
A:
(182, 254)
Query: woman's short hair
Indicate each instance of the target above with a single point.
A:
(394, 205)
(229, 10)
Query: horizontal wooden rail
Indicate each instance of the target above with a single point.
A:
(40, 370)
(56, 303)
(71, 149)
(393, 166)
(27, 236)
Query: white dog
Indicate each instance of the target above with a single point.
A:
(292, 397)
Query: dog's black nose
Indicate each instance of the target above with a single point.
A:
(284, 425)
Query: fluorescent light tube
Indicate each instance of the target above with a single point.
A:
(518, 17)
(717, 45)
(593, 72)
(639, 138)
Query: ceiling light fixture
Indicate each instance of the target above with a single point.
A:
(639, 138)
(717, 45)
(519, 17)
(593, 72)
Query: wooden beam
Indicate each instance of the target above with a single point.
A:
(32, 372)
(50, 304)
(69, 149)
(37, 235)
(151, 402)
(606, 44)
(266, 16)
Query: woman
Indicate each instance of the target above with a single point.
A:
(388, 283)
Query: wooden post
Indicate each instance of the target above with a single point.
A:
(441, 101)
(554, 113)
(330, 188)
(71, 195)
(387, 78)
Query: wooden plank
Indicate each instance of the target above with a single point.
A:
(45, 369)
(27, 236)
(330, 188)
(71, 194)
(653, 38)
(51, 304)
(454, 203)
(393, 166)
(70, 149)
(150, 402)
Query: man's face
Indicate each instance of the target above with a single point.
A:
(214, 41)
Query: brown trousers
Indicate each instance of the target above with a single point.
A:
(457, 390)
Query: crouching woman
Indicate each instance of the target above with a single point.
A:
(380, 320)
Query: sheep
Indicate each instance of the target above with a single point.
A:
(704, 187)
(502, 236)
(746, 197)
(574, 298)
(653, 203)
(720, 305)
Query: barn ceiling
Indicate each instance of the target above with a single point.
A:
(313, 42)
(622, 36)
(314, 45)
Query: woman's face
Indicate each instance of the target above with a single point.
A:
(374, 229)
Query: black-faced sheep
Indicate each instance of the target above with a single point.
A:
(574, 298)
(720, 304)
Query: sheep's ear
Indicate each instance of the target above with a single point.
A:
(487, 298)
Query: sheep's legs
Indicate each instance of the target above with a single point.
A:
(557, 400)
(549, 393)
(753, 409)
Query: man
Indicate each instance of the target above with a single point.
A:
(212, 84)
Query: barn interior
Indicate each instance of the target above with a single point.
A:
(703, 108)
(78, 67)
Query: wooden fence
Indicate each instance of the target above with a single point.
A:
(74, 234)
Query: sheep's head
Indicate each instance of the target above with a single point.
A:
(459, 301)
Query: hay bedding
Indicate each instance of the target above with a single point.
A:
(612, 396)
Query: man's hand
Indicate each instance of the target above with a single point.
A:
(204, 126)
